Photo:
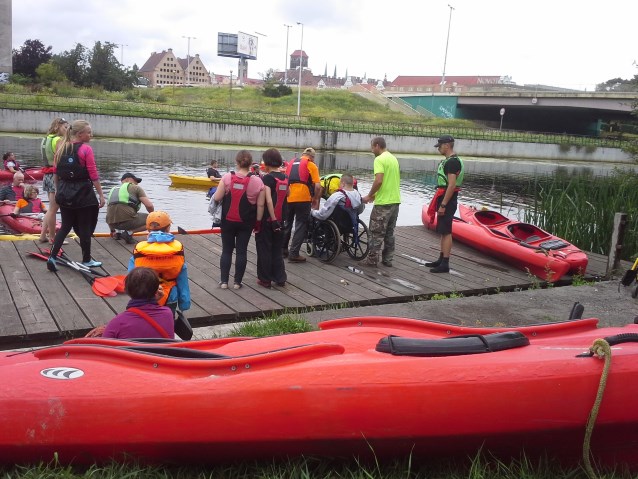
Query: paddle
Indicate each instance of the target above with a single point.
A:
(101, 286)
(182, 231)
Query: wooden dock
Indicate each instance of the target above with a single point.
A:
(40, 307)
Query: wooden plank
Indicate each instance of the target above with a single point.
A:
(11, 324)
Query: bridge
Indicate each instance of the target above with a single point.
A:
(525, 108)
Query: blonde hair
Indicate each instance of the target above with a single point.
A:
(55, 125)
(28, 189)
(77, 127)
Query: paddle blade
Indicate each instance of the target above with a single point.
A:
(99, 292)
(120, 287)
(105, 286)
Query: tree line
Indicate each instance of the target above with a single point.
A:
(33, 63)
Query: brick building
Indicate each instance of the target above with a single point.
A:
(165, 69)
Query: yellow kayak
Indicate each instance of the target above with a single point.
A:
(26, 236)
(198, 181)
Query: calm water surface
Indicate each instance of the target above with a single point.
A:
(489, 182)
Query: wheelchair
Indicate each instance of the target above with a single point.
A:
(340, 232)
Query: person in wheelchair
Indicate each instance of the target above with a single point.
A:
(346, 198)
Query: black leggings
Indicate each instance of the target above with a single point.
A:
(83, 222)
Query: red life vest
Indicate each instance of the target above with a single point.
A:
(297, 172)
(281, 192)
(235, 206)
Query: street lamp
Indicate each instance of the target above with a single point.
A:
(188, 59)
(286, 58)
(122, 45)
(446, 45)
(230, 94)
(300, 69)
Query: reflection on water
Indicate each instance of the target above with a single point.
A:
(490, 182)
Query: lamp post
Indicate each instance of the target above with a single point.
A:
(300, 70)
(502, 112)
(230, 94)
(188, 59)
(121, 45)
(286, 57)
(446, 45)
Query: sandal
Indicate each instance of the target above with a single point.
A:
(223, 285)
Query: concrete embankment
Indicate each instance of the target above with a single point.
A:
(26, 121)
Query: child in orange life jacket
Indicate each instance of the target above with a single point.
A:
(30, 203)
(269, 234)
(164, 254)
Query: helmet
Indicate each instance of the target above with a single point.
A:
(157, 220)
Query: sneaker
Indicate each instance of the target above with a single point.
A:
(237, 286)
(296, 259)
(92, 264)
(387, 263)
(281, 284)
(51, 266)
(442, 268)
(265, 284)
(128, 237)
(116, 235)
(223, 285)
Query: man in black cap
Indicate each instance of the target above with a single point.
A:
(449, 178)
(122, 211)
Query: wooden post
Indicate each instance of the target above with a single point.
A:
(617, 237)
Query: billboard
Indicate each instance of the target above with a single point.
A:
(237, 45)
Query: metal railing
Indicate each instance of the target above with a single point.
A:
(255, 118)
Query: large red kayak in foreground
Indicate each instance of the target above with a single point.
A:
(22, 223)
(370, 386)
(523, 245)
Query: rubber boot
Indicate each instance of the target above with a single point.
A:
(434, 264)
(444, 267)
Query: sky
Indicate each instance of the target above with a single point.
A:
(564, 43)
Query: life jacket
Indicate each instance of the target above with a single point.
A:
(348, 203)
(441, 177)
(69, 167)
(16, 167)
(120, 195)
(297, 172)
(166, 259)
(32, 206)
(47, 150)
(330, 184)
(279, 197)
(235, 206)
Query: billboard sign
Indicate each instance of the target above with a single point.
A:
(227, 45)
(247, 45)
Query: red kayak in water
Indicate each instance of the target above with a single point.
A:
(522, 245)
(30, 174)
(28, 223)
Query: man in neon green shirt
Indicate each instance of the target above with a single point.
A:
(386, 195)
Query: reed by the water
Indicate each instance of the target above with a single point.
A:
(581, 208)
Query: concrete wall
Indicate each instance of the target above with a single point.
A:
(25, 121)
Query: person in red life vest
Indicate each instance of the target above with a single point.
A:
(49, 144)
(165, 255)
(75, 178)
(11, 193)
(242, 195)
(10, 163)
(144, 317)
(304, 196)
(269, 235)
(30, 203)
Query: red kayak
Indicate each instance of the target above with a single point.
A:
(31, 223)
(30, 174)
(366, 386)
(520, 244)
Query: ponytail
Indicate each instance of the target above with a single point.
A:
(67, 140)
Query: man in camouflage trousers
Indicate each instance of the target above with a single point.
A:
(386, 194)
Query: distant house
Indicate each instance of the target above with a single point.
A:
(165, 69)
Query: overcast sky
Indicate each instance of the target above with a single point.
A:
(559, 42)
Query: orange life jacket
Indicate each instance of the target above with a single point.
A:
(166, 259)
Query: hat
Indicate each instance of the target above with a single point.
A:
(309, 152)
(131, 175)
(157, 220)
(444, 139)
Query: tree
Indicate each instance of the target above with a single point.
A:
(47, 73)
(29, 57)
(618, 84)
(74, 64)
(104, 69)
(272, 88)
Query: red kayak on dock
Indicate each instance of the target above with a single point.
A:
(30, 174)
(522, 245)
(30, 223)
(367, 386)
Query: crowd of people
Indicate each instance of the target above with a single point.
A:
(275, 201)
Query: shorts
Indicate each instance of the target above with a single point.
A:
(132, 224)
(444, 222)
(48, 185)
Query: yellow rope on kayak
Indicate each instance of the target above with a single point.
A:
(602, 350)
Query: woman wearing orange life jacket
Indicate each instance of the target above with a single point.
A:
(241, 194)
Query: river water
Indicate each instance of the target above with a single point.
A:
(488, 182)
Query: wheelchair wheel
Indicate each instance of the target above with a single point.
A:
(357, 248)
(326, 241)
